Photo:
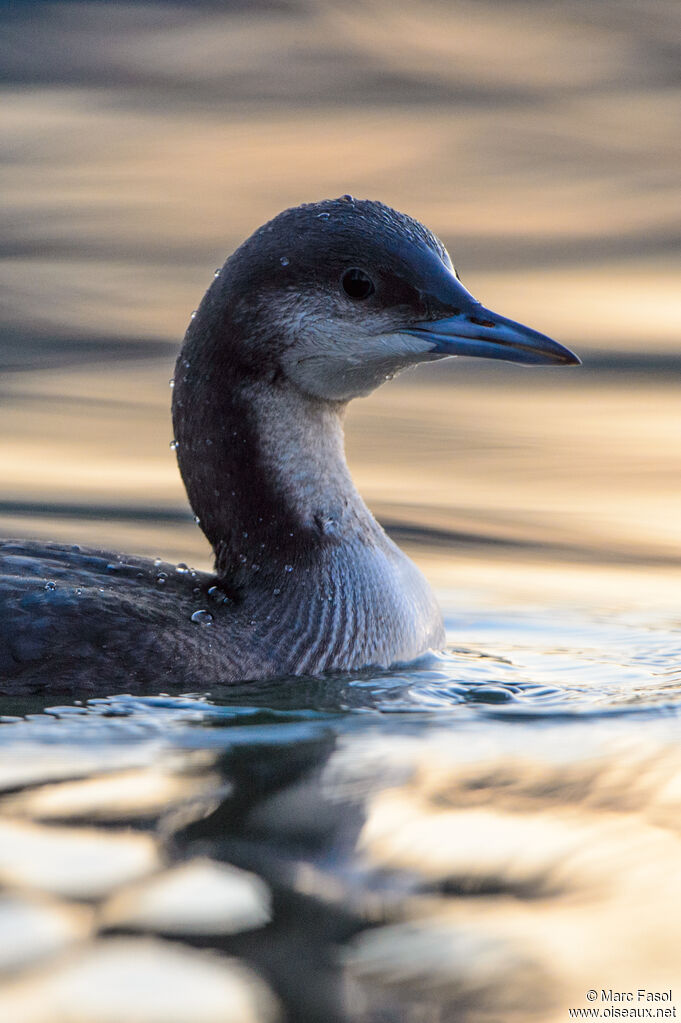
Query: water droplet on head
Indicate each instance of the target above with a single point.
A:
(181, 568)
(242, 559)
(284, 260)
(50, 585)
(193, 315)
(174, 445)
(157, 562)
(288, 568)
(330, 527)
(276, 591)
(203, 617)
(323, 216)
(218, 272)
(197, 520)
(171, 383)
(347, 197)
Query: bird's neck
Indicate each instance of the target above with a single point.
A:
(265, 470)
(294, 543)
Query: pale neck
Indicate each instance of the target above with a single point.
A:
(322, 585)
(266, 475)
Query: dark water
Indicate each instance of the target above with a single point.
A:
(485, 835)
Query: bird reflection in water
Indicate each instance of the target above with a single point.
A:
(349, 877)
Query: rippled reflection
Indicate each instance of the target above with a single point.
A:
(368, 864)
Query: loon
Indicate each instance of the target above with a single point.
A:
(319, 306)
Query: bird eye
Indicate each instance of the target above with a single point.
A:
(357, 284)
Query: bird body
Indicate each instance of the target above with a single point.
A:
(317, 307)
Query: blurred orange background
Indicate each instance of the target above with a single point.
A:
(141, 142)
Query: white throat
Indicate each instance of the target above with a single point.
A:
(301, 445)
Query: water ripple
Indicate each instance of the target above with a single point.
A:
(542, 668)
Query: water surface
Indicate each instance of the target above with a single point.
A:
(487, 834)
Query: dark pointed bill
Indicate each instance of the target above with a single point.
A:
(489, 336)
(470, 329)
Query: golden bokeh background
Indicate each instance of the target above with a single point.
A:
(142, 142)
